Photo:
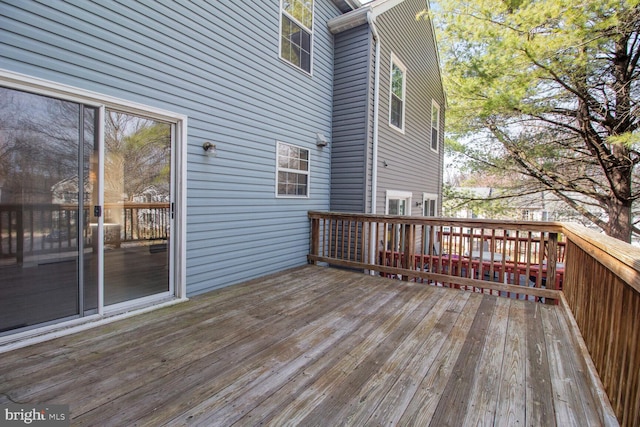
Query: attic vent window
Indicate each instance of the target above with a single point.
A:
(435, 125)
(296, 32)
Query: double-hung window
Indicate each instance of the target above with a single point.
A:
(429, 204)
(292, 171)
(296, 32)
(398, 93)
(435, 125)
(397, 203)
(429, 208)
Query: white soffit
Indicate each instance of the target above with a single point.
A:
(358, 17)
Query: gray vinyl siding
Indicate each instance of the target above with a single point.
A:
(412, 165)
(351, 91)
(217, 63)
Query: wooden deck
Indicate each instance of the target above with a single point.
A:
(317, 346)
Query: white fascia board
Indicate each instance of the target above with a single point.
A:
(381, 6)
(347, 5)
(358, 16)
(348, 20)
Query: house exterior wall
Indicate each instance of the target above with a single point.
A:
(411, 164)
(350, 166)
(206, 61)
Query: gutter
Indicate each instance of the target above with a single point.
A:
(376, 105)
(349, 20)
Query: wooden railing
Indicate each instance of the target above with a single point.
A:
(522, 260)
(28, 229)
(602, 289)
(596, 277)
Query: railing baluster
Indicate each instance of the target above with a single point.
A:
(552, 261)
(541, 261)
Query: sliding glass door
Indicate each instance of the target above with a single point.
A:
(47, 181)
(137, 202)
(85, 209)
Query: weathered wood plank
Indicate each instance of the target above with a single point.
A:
(512, 393)
(337, 385)
(303, 348)
(274, 404)
(567, 401)
(451, 409)
(395, 392)
(481, 409)
(539, 395)
(578, 370)
(424, 404)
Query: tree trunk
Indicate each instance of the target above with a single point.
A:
(620, 223)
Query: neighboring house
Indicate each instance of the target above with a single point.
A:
(250, 113)
(527, 207)
(544, 206)
(66, 191)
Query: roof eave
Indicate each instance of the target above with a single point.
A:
(349, 20)
(358, 16)
(347, 5)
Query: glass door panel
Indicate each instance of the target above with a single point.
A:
(45, 147)
(137, 200)
(89, 243)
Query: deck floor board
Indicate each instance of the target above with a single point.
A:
(316, 346)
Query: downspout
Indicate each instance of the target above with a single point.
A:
(376, 97)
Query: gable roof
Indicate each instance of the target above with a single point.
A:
(367, 15)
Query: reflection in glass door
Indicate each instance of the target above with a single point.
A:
(137, 204)
(48, 266)
(395, 232)
(55, 202)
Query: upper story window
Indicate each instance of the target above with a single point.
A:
(292, 171)
(435, 125)
(296, 32)
(398, 92)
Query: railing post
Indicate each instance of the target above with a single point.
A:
(409, 249)
(552, 259)
(315, 239)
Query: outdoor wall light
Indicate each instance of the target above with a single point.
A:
(210, 149)
(321, 140)
(418, 204)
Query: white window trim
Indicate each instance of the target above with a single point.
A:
(311, 44)
(308, 173)
(434, 106)
(395, 60)
(395, 194)
(426, 198)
